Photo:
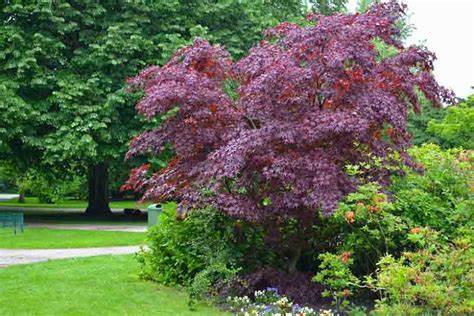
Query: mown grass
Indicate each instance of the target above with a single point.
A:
(105, 285)
(79, 204)
(44, 238)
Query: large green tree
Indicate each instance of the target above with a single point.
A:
(63, 65)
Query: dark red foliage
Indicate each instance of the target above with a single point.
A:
(297, 286)
(309, 100)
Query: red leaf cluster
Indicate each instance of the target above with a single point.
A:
(309, 100)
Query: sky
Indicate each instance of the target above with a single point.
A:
(446, 27)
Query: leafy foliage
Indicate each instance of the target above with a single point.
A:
(438, 197)
(268, 138)
(297, 286)
(336, 275)
(456, 129)
(49, 189)
(418, 123)
(192, 250)
(64, 64)
(366, 227)
(328, 7)
(437, 279)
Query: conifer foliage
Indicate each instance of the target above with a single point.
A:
(269, 137)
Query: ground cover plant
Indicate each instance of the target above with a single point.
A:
(106, 285)
(45, 238)
(301, 149)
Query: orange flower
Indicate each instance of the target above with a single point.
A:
(346, 292)
(390, 132)
(328, 104)
(415, 230)
(346, 255)
(360, 205)
(350, 217)
(377, 134)
(418, 279)
(379, 198)
(374, 209)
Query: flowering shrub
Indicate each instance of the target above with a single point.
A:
(365, 226)
(437, 279)
(335, 274)
(269, 302)
(267, 138)
(439, 196)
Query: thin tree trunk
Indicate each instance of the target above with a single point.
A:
(98, 195)
(21, 197)
(295, 258)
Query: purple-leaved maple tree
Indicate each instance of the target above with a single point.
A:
(269, 137)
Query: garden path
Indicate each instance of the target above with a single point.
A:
(113, 228)
(10, 257)
(7, 196)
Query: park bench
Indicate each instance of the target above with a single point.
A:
(13, 219)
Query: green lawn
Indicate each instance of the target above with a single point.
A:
(34, 202)
(106, 285)
(36, 238)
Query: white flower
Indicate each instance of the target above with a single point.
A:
(325, 312)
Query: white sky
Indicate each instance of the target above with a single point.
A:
(446, 27)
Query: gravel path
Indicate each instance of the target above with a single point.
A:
(10, 257)
(112, 228)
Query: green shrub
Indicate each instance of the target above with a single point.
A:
(456, 129)
(364, 225)
(199, 249)
(49, 189)
(418, 122)
(438, 196)
(438, 279)
(335, 274)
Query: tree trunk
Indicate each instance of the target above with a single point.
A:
(98, 195)
(295, 258)
(21, 197)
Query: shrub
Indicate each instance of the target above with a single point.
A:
(439, 195)
(365, 226)
(335, 274)
(437, 279)
(199, 248)
(417, 124)
(51, 189)
(456, 129)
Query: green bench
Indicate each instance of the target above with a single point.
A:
(13, 219)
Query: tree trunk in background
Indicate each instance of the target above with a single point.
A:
(21, 197)
(98, 195)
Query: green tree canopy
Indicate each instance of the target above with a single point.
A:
(418, 123)
(456, 129)
(64, 64)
